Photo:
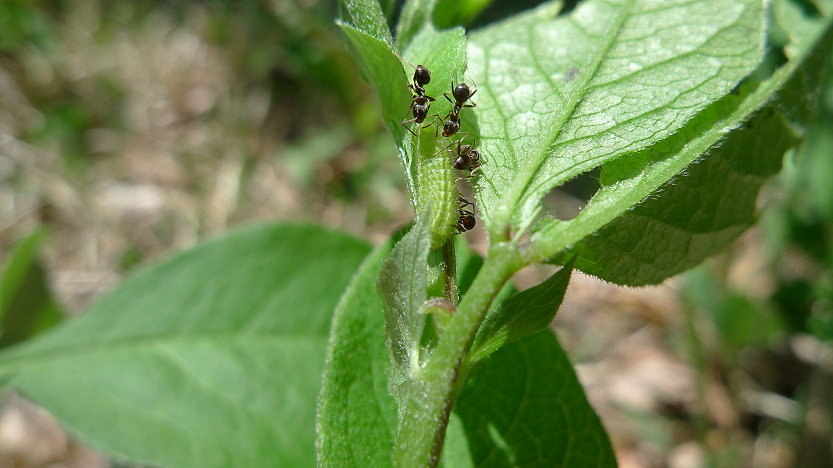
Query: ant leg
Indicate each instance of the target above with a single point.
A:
(461, 135)
(449, 99)
(435, 118)
(409, 128)
(410, 108)
(471, 104)
(448, 146)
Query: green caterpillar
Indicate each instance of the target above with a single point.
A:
(436, 188)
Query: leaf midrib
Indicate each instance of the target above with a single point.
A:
(519, 190)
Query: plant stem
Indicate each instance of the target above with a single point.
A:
(423, 417)
(698, 357)
(450, 271)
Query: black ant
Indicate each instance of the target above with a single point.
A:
(461, 94)
(420, 102)
(466, 220)
(468, 159)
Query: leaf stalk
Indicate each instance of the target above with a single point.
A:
(423, 418)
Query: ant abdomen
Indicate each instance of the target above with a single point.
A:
(461, 92)
(450, 127)
(466, 220)
(422, 75)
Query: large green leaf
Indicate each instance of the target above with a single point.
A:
(212, 358)
(525, 407)
(561, 96)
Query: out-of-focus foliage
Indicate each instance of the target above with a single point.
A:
(773, 330)
(130, 110)
(27, 306)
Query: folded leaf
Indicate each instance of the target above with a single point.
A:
(402, 285)
(356, 421)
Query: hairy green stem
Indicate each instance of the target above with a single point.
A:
(423, 417)
(450, 271)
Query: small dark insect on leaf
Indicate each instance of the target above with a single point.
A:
(466, 221)
(420, 102)
(461, 94)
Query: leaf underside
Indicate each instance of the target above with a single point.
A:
(739, 154)
(693, 216)
(562, 96)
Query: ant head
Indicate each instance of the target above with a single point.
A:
(474, 155)
(462, 92)
(422, 75)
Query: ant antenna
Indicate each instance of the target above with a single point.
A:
(404, 59)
